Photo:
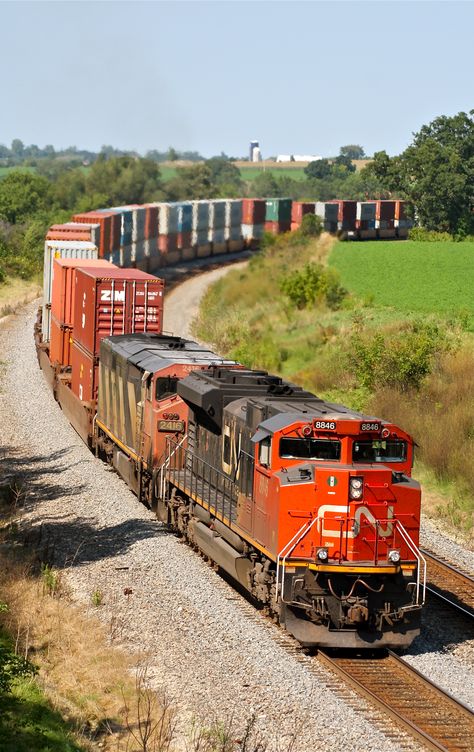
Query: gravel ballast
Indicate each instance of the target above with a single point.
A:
(204, 643)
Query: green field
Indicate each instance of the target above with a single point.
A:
(409, 276)
(250, 173)
(5, 170)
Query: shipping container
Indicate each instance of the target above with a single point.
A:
(200, 237)
(278, 210)
(299, 209)
(60, 344)
(122, 302)
(54, 249)
(85, 373)
(275, 228)
(200, 216)
(75, 231)
(167, 243)
(234, 234)
(139, 214)
(253, 211)
(151, 221)
(346, 214)
(217, 235)
(385, 210)
(168, 218)
(366, 211)
(253, 232)
(185, 217)
(184, 240)
(217, 214)
(233, 212)
(63, 289)
(109, 222)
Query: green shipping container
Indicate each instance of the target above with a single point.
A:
(278, 209)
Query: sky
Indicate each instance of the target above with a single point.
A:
(300, 77)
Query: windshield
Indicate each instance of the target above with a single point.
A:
(166, 387)
(310, 449)
(379, 451)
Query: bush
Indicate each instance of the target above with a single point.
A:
(429, 236)
(311, 226)
(313, 284)
(401, 361)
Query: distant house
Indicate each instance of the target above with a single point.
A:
(297, 158)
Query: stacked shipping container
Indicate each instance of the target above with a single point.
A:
(253, 219)
(121, 301)
(233, 224)
(277, 215)
(62, 305)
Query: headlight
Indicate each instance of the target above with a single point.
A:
(322, 554)
(356, 488)
(394, 556)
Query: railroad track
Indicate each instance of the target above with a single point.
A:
(428, 713)
(450, 584)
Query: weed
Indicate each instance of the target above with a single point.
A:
(97, 598)
(51, 580)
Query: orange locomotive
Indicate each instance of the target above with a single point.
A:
(309, 505)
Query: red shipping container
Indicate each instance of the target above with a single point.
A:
(400, 210)
(295, 226)
(253, 211)
(60, 344)
(70, 231)
(62, 296)
(110, 227)
(300, 208)
(85, 374)
(275, 228)
(168, 243)
(385, 210)
(151, 221)
(124, 301)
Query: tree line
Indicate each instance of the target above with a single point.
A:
(435, 173)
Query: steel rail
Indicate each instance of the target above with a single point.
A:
(450, 584)
(428, 713)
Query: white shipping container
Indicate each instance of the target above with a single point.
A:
(253, 232)
(73, 249)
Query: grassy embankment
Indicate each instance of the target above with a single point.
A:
(78, 689)
(15, 291)
(399, 344)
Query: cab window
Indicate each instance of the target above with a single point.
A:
(166, 387)
(309, 449)
(379, 451)
(264, 450)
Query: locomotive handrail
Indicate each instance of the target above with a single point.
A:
(167, 461)
(421, 564)
(283, 555)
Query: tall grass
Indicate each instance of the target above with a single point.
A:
(441, 418)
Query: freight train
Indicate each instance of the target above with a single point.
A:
(151, 236)
(308, 505)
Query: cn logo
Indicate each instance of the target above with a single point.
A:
(106, 296)
(339, 510)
